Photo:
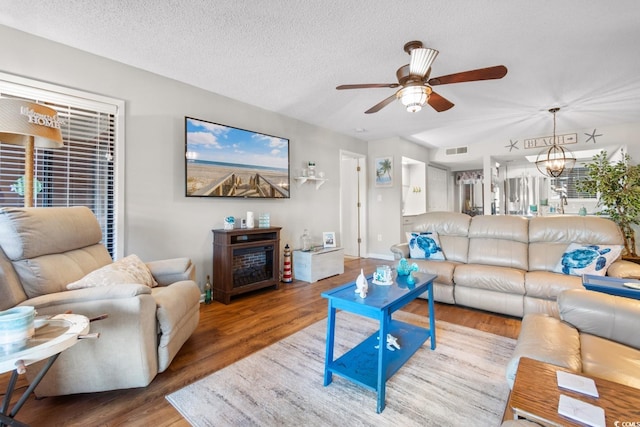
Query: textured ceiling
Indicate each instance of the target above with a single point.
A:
(288, 57)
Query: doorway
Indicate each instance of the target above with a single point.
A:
(353, 196)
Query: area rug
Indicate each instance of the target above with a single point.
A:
(461, 382)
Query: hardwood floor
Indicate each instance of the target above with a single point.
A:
(226, 333)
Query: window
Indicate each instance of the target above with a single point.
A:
(570, 183)
(83, 172)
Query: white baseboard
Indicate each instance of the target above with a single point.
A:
(381, 256)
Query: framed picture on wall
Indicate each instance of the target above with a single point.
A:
(329, 239)
(384, 171)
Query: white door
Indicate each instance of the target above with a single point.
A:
(353, 192)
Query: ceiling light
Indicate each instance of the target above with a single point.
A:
(414, 97)
(555, 160)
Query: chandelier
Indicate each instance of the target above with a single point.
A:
(555, 160)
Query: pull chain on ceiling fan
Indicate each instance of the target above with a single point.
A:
(414, 83)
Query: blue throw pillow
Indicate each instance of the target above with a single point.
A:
(579, 259)
(424, 245)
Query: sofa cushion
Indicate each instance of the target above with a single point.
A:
(608, 316)
(624, 269)
(11, 291)
(546, 339)
(498, 279)
(499, 241)
(452, 229)
(130, 269)
(50, 247)
(31, 232)
(579, 259)
(610, 360)
(443, 269)
(424, 244)
(51, 273)
(549, 237)
(548, 285)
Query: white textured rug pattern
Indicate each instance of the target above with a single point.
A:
(461, 382)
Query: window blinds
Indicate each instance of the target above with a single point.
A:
(81, 173)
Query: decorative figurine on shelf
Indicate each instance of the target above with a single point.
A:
(404, 269)
(286, 270)
(383, 275)
(229, 222)
(410, 279)
(362, 286)
(392, 343)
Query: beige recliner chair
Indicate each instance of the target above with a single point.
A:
(45, 249)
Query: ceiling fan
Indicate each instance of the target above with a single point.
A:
(415, 85)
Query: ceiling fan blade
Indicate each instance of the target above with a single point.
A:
(489, 73)
(380, 105)
(421, 60)
(365, 86)
(439, 103)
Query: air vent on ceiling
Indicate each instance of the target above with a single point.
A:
(457, 150)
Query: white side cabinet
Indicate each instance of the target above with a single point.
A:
(317, 265)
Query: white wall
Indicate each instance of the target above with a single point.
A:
(414, 175)
(385, 203)
(160, 222)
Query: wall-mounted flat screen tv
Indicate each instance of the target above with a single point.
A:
(224, 161)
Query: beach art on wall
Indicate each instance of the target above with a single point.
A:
(224, 161)
(384, 172)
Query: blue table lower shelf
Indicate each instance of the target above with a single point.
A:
(360, 364)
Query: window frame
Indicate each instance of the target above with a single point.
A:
(35, 89)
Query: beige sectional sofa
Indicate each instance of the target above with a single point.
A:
(596, 334)
(42, 250)
(505, 264)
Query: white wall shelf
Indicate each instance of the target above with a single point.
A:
(302, 179)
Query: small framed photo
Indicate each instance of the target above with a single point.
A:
(329, 239)
(384, 171)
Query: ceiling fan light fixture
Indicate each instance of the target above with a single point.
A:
(421, 60)
(555, 160)
(414, 97)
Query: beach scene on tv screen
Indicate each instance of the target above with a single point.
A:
(223, 161)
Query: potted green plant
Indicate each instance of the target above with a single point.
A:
(617, 186)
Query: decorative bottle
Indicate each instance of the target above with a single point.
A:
(305, 240)
(207, 291)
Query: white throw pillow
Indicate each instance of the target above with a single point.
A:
(130, 269)
(579, 259)
(424, 244)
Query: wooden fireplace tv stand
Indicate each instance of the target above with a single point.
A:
(245, 259)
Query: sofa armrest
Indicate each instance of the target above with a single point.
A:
(607, 316)
(623, 269)
(548, 340)
(122, 291)
(178, 312)
(173, 270)
(400, 250)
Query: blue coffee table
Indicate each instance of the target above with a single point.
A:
(364, 364)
